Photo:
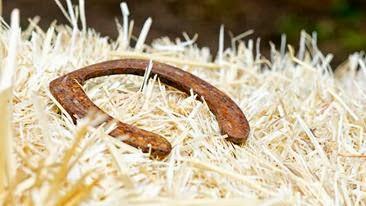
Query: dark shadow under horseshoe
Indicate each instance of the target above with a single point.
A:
(68, 92)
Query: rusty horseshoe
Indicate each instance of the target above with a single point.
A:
(68, 92)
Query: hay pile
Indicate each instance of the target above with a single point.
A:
(306, 146)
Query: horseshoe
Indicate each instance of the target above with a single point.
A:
(68, 92)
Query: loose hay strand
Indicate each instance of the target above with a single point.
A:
(7, 159)
(143, 34)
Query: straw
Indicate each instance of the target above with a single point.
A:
(306, 145)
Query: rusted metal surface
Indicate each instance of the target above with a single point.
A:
(68, 92)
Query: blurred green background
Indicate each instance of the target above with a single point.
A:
(340, 24)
